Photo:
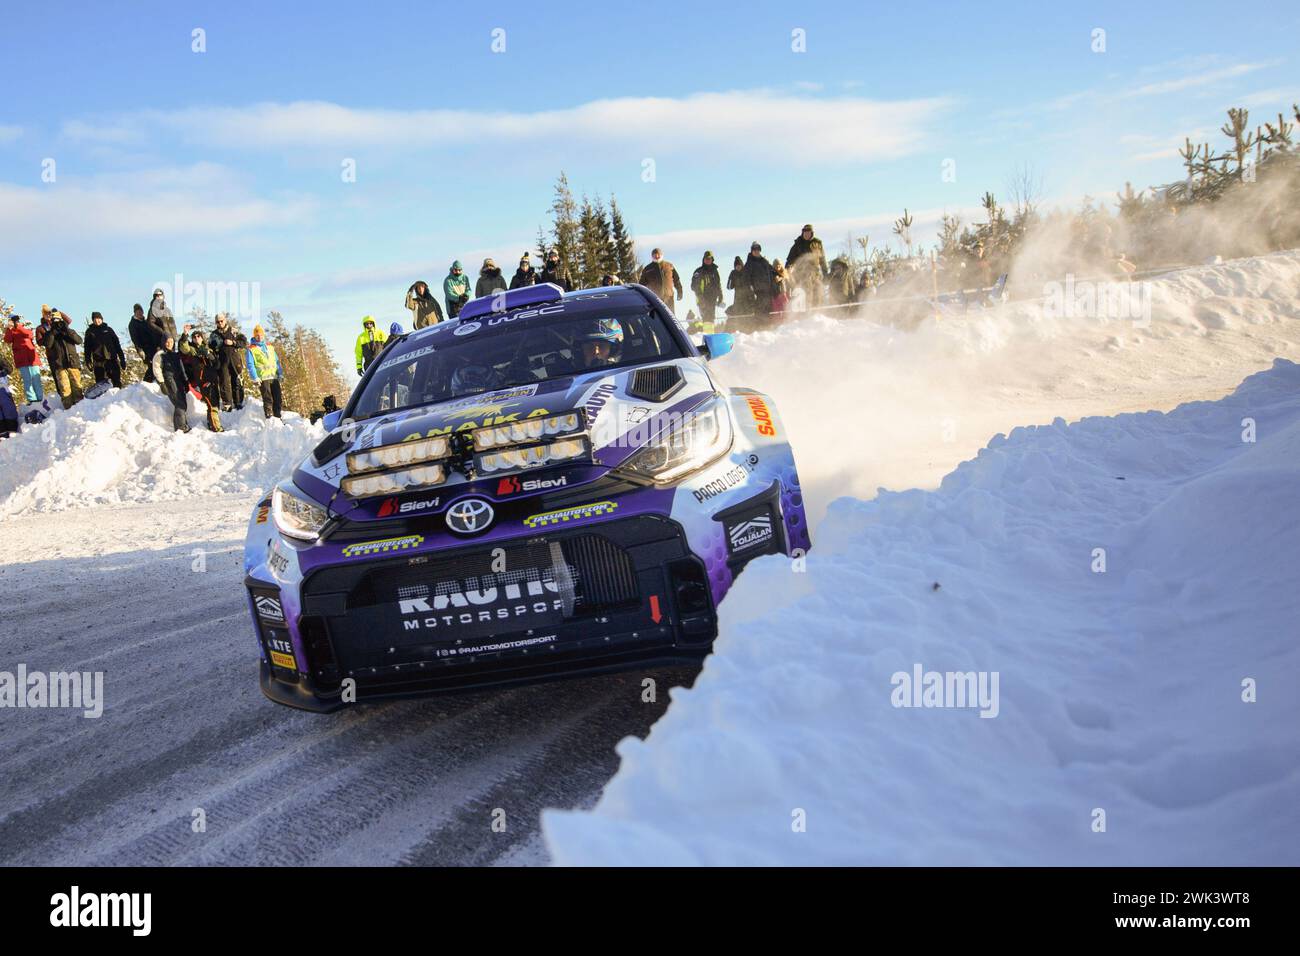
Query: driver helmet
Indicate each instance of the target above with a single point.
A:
(471, 378)
(603, 330)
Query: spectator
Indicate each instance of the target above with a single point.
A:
(169, 372)
(1124, 266)
(806, 266)
(490, 280)
(20, 339)
(265, 370)
(524, 275)
(160, 317)
(328, 404)
(455, 289)
(425, 310)
(609, 279)
(758, 277)
(706, 283)
(742, 301)
(662, 279)
(43, 329)
(780, 286)
(60, 342)
(143, 339)
(395, 330)
(369, 343)
(840, 287)
(554, 272)
(201, 370)
(226, 345)
(103, 352)
(9, 424)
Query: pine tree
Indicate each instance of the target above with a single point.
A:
(310, 371)
(595, 246)
(625, 264)
(604, 239)
(565, 227)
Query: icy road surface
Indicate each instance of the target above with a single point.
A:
(186, 728)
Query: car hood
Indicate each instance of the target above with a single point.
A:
(622, 419)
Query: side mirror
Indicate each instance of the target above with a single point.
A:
(331, 420)
(718, 344)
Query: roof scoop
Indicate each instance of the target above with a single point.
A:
(499, 302)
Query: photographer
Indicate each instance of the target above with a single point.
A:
(20, 338)
(60, 342)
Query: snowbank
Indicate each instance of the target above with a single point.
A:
(121, 448)
(868, 405)
(1118, 691)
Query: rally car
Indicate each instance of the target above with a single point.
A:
(551, 483)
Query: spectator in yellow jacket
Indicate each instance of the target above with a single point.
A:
(369, 343)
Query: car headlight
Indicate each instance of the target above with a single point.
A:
(698, 438)
(393, 482)
(295, 514)
(528, 430)
(399, 455)
(533, 456)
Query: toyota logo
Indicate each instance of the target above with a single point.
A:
(469, 516)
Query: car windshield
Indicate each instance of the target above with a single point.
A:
(447, 366)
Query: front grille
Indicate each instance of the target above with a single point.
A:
(599, 574)
(555, 591)
(606, 574)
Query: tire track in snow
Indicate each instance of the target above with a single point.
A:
(185, 726)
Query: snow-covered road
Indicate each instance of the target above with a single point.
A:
(186, 728)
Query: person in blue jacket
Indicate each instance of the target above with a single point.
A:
(266, 372)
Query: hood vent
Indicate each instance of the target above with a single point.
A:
(656, 384)
(330, 448)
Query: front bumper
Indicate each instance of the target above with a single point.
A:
(594, 598)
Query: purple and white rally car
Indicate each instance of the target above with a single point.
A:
(548, 484)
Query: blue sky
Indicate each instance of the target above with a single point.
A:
(225, 166)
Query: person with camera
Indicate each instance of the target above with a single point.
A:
(60, 341)
(22, 341)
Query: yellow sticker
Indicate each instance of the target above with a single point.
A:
(593, 510)
(383, 546)
(284, 660)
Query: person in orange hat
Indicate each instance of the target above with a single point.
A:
(266, 372)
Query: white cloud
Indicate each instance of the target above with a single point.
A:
(1191, 80)
(755, 124)
(1278, 98)
(200, 200)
